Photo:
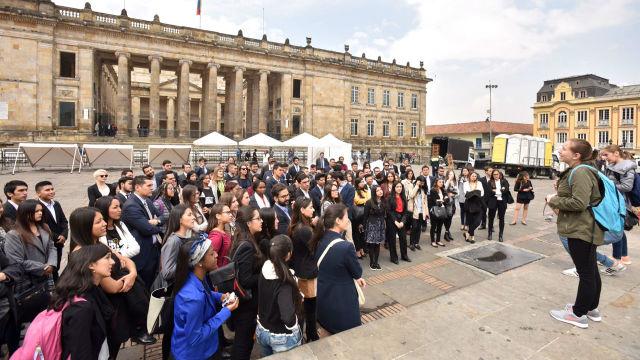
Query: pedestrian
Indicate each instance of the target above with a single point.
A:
(451, 191)
(118, 237)
(53, 216)
(396, 221)
(278, 329)
(524, 190)
(269, 228)
(16, 192)
(576, 222)
(163, 204)
(360, 199)
(418, 197)
(437, 199)
(100, 187)
(230, 200)
(219, 217)
(190, 198)
(464, 178)
(337, 306)
(196, 317)
(473, 205)
(331, 196)
(208, 197)
(498, 200)
(486, 190)
(9, 273)
(375, 225)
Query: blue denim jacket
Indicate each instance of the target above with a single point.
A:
(196, 323)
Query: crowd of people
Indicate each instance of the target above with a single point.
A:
(293, 237)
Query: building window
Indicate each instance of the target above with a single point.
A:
(400, 100)
(414, 130)
(544, 121)
(562, 119)
(414, 101)
(581, 118)
(627, 139)
(583, 93)
(627, 115)
(479, 143)
(603, 117)
(562, 138)
(354, 127)
(371, 96)
(603, 138)
(295, 124)
(385, 128)
(543, 98)
(297, 85)
(355, 92)
(544, 136)
(400, 128)
(582, 137)
(371, 127)
(563, 96)
(386, 98)
(67, 114)
(67, 64)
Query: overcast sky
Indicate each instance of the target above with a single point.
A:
(465, 44)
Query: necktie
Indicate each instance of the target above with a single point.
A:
(156, 237)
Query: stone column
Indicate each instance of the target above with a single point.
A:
(237, 102)
(307, 118)
(171, 112)
(123, 102)
(263, 101)
(183, 98)
(45, 117)
(86, 74)
(286, 90)
(135, 115)
(254, 101)
(209, 103)
(228, 104)
(154, 95)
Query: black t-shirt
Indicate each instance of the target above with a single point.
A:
(115, 244)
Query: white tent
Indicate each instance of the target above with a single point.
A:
(332, 147)
(301, 141)
(260, 140)
(49, 154)
(177, 154)
(107, 155)
(215, 139)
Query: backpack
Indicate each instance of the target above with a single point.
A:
(610, 212)
(43, 339)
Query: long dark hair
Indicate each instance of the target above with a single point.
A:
(242, 234)
(25, 216)
(357, 183)
(103, 204)
(77, 278)
(327, 193)
(520, 178)
(297, 218)
(173, 224)
(213, 220)
(326, 222)
(374, 198)
(279, 247)
(268, 216)
(391, 206)
(187, 194)
(81, 225)
(182, 267)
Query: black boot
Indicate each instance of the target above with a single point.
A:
(310, 319)
(490, 237)
(447, 236)
(500, 239)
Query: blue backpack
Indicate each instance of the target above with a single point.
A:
(610, 212)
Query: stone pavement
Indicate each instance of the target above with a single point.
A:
(436, 307)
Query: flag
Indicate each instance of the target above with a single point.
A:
(198, 7)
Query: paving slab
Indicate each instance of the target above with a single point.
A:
(456, 275)
(409, 290)
(496, 258)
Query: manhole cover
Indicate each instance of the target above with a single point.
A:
(496, 258)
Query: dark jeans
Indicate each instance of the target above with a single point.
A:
(463, 215)
(620, 248)
(449, 219)
(244, 322)
(436, 229)
(484, 215)
(500, 208)
(391, 238)
(416, 228)
(583, 255)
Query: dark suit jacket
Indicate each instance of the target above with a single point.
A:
(492, 201)
(201, 170)
(121, 198)
(58, 227)
(292, 172)
(316, 198)
(283, 220)
(9, 211)
(94, 194)
(348, 193)
(136, 218)
(320, 164)
(486, 187)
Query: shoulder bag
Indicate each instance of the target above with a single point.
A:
(359, 291)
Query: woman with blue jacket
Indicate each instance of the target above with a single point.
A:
(196, 316)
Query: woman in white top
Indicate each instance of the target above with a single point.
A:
(190, 196)
(100, 188)
(118, 238)
(259, 198)
(497, 202)
(473, 205)
(464, 178)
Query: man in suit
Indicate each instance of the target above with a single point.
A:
(487, 194)
(394, 167)
(182, 178)
(347, 191)
(322, 163)
(404, 166)
(53, 216)
(201, 168)
(317, 192)
(166, 167)
(426, 170)
(280, 195)
(142, 219)
(127, 172)
(16, 192)
(302, 186)
(276, 178)
(267, 170)
(294, 169)
(125, 184)
(232, 173)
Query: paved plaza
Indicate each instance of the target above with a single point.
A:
(439, 308)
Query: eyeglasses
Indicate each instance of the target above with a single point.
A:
(258, 218)
(104, 175)
(243, 169)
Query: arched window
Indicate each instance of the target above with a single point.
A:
(562, 119)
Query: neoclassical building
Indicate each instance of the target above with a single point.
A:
(62, 70)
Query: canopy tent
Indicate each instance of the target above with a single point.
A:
(301, 141)
(107, 155)
(177, 154)
(260, 140)
(50, 154)
(215, 139)
(332, 147)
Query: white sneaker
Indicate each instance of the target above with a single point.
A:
(570, 272)
(610, 271)
(593, 315)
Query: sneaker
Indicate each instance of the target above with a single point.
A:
(570, 272)
(569, 317)
(626, 260)
(610, 271)
(593, 315)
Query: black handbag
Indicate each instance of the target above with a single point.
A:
(32, 301)
(222, 279)
(358, 214)
(438, 212)
(630, 220)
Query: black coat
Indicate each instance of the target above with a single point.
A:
(9, 211)
(492, 200)
(316, 198)
(13, 272)
(303, 261)
(474, 203)
(94, 194)
(486, 187)
(84, 327)
(59, 225)
(283, 220)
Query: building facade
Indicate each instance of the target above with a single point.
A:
(588, 107)
(63, 70)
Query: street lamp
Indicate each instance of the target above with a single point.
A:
(490, 87)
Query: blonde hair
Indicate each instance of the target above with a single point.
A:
(616, 148)
(99, 172)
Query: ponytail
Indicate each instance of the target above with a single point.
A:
(279, 247)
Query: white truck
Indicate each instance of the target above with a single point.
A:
(516, 152)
